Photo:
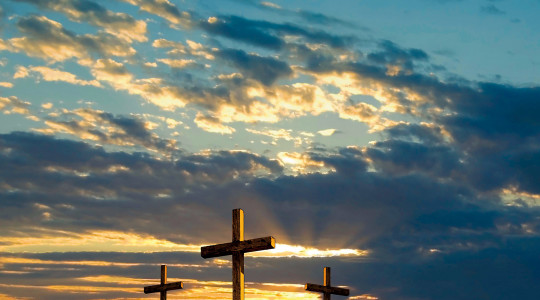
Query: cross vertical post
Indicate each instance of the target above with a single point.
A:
(238, 257)
(163, 294)
(237, 248)
(327, 289)
(163, 287)
(326, 296)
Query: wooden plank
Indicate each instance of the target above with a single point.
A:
(240, 246)
(163, 294)
(238, 275)
(326, 281)
(237, 225)
(163, 288)
(326, 289)
(163, 274)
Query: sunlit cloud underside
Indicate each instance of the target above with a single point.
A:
(131, 242)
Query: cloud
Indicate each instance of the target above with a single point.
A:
(264, 69)
(211, 124)
(75, 175)
(154, 90)
(281, 134)
(163, 9)
(106, 128)
(438, 201)
(327, 132)
(12, 104)
(47, 39)
(179, 49)
(178, 63)
(267, 34)
(395, 58)
(49, 74)
(393, 214)
(119, 24)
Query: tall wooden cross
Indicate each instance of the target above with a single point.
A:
(164, 286)
(237, 249)
(326, 289)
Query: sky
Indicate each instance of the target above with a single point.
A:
(397, 142)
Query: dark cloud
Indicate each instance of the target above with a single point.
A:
(49, 40)
(264, 69)
(108, 129)
(120, 24)
(126, 186)
(268, 34)
(399, 157)
(393, 54)
(314, 18)
(414, 223)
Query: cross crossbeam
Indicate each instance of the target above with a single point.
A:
(327, 290)
(164, 286)
(237, 248)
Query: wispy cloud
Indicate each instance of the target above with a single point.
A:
(121, 25)
(49, 40)
(49, 74)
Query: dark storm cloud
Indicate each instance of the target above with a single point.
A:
(71, 178)
(402, 157)
(413, 223)
(268, 34)
(264, 69)
(498, 127)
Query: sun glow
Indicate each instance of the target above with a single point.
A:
(284, 250)
(61, 241)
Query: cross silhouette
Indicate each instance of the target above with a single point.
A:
(237, 249)
(164, 286)
(326, 289)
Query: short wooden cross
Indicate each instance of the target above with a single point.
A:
(326, 289)
(237, 249)
(164, 286)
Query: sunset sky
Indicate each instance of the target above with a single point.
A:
(397, 142)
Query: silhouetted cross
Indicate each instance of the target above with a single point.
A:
(326, 289)
(237, 249)
(164, 286)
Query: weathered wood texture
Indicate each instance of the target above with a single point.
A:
(237, 248)
(326, 281)
(238, 276)
(252, 245)
(238, 257)
(164, 286)
(326, 289)
(237, 225)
